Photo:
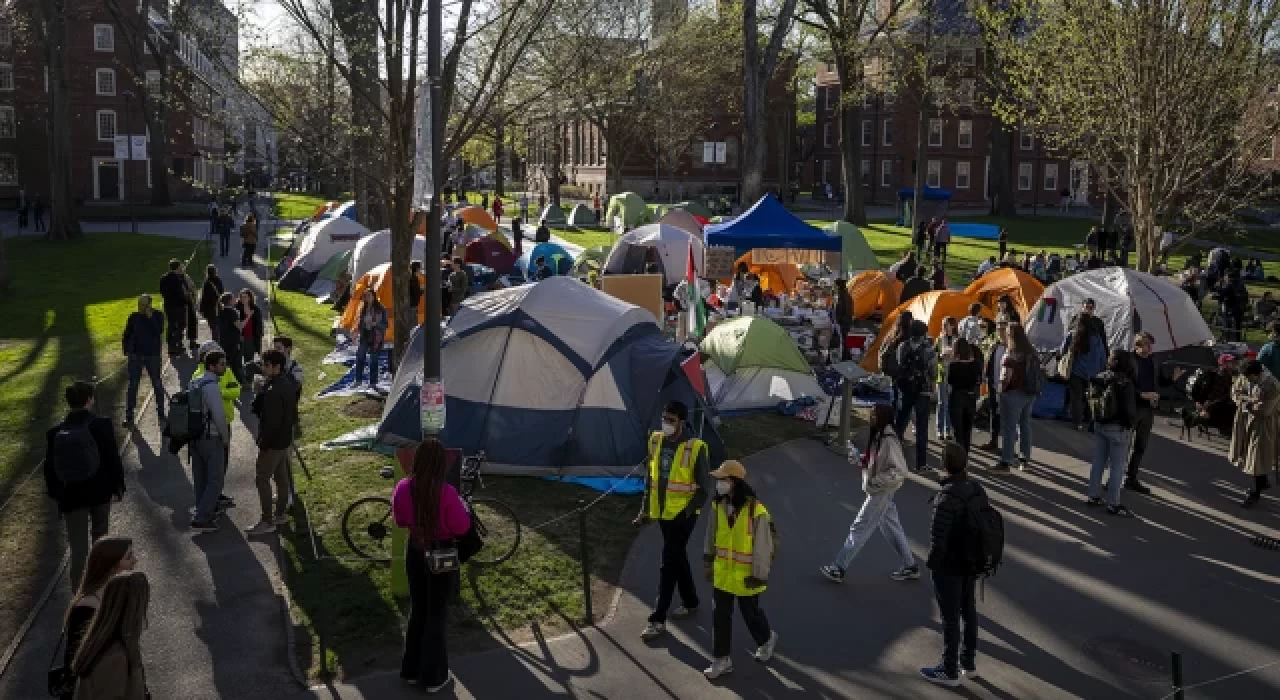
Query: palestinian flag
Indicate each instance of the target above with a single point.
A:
(697, 312)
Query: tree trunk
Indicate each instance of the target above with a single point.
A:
(159, 153)
(356, 20)
(918, 197)
(499, 155)
(752, 150)
(557, 166)
(849, 118)
(63, 220)
(4, 266)
(1000, 141)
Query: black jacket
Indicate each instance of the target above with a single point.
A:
(844, 311)
(211, 297)
(1128, 397)
(100, 489)
(143, 335)
(228, 317)
(277, 409)
(173, 289)
(946, 547)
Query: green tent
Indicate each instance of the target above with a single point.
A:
(334, 267)
(552, 214)
(630, 208)
(582, 215)
(752, 341)
(694, 208)
(590, 260)
(855, 253)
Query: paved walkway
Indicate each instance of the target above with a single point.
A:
(216, 620)
(1085, 606)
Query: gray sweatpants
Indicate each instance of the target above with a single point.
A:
(84, 527)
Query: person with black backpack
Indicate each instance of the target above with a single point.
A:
(83, 473)
(917, 368)
(209, 441)
(1113, 401)
(966, 544)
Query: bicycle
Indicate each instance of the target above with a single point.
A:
(367, 523)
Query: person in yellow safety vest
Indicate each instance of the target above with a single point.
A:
(737, 558)
(229, 390)
(675, 490)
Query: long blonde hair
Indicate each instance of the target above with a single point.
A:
(121, 616)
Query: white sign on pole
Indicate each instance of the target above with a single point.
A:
(423, 176)
(431, 404)
(122, 147)
(720, 151)
(138, 147)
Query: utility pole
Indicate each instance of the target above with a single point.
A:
(431, 320)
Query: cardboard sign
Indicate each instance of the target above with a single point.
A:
(719, 262)
(782, 256)
(644, 291)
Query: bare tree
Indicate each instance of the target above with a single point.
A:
(48, 30)
(759, 62)
(1170, 100)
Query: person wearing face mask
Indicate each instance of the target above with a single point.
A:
(674, 493)
(737, 556)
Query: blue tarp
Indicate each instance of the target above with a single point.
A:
(931, 194)
(768, 224)
(986, 232)
(630, 486)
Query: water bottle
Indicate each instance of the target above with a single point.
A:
(855, 456)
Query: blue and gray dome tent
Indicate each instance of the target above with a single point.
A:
(552, 379)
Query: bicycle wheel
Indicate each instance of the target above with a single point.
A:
(366, 527)
(498, 527)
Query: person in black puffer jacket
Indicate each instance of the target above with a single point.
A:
(84, 503)
(953, 580)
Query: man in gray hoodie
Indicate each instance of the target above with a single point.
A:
(209, 452)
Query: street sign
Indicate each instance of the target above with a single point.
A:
(122, 147)
(431, 399)
(138, 147)
(708, 152)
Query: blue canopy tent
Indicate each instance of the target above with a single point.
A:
(768, 224)
(553, 379)
(934, 202)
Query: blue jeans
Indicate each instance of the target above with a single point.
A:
(956, 603)
(208, 471)
(913, 404)
(363, 351)
(137, 363)
(944, 411)
(1110, 444)
(877, 511)
(1015, 418)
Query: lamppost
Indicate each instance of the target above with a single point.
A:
(133, 213)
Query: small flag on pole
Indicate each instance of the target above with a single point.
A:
(697, 312)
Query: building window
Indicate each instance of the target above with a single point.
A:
(106, 125)
(1051, 176)
(6, 35)
(6, 78)
(962, 175)
(938, 89)
(935, 132)
(1024, 177)
(965, 98)
(968, 57)
(938, 56)
(826, 134)
(889, 99)
(105, 81)
(826, 171)
(886, 173)
(832, 97)
(8, 169)
(1026, 140)
(153, 83)
(867, 131)
(866, 173)
(888, 133)
(8, 123)
(104, 37)
(933, 176)
(866, 101)
(965, 138)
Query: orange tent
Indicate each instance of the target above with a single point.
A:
(1021, 287)
(872, 291)
(930, 307)
(379, 280)
(478, 216)
(776, 279)
(322, 210)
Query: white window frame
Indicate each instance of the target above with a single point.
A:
(1051, 177)
(886, 173)
(97, 122)
(1026, 140)
(8, 123)
(968, 56)
(933, 173)
(935, 130)
(938, 88)
(866, 101)
(98, 75)
(6, 78)
(963, 171)
(6, 34)
(868, 132)
(966, 93)
(833, 96)
(964, 133)
(1026, 171)
(13, 171)
(890, 99)
(864, 170)
(107, 32)
(826, 134)
(152, 76)
(886, 138)
(147, 165)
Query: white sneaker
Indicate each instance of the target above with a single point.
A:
(765, 652)
(718, 668)
(431, 690)
(653, 630)
(264, 527)
(681, 611)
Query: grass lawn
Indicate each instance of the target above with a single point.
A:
(292, 205)
(537, 592)
(586, 236)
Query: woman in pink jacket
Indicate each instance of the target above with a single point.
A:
(435, 515)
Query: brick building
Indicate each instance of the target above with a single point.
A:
(957, 147)
(104, 88)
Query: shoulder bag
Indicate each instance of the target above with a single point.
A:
(890, 472)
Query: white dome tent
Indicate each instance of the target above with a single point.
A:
(672, 245)
(1127, 301)
(323, 240)
(375, 249)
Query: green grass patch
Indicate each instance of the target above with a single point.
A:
(586, 236)
(297, 206)
(63, 315)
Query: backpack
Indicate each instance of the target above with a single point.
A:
(915, 367)
(983, 533)
(1104, 400)
(889, 359)
(1033, 378)
(187, 415)
(75, 453)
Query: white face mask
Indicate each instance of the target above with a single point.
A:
(723, 487)
(668, 429)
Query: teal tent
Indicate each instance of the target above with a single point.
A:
(855, 253)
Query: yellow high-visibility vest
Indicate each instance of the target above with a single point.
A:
(681, 482)
(734, 549)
